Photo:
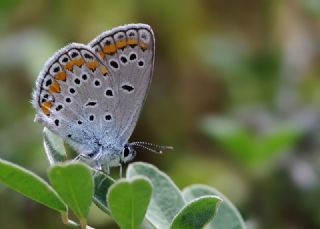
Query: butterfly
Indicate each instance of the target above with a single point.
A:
(92, 95)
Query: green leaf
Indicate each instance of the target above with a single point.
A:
(281, 138)
(166, 200)
(128, 201)
(30, 185)
(197, 213)
(73, 182)
(54, 147)
(102, 183)
(227, 217)
(254, 150)
(234, 137)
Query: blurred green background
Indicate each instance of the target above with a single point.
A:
(236, 91)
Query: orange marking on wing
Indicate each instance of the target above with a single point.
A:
(121, 43)
(109, 49)
(54, 87)
(60, 75)
(101, 54)
(132, 41)
(143, 45)
(103, 70)
(69, 65)
(45, 107)
(92, 64)
(78, 61)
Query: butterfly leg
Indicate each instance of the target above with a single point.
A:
(105, 169)
(96, 172)
(103, 179)
(77, 158)
(81, 157)
(99, 170)
(120, 170)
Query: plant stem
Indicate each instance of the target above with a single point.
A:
(83, 223)
(69, 222)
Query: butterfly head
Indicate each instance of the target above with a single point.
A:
(128, 153)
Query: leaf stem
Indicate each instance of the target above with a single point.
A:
(69, 222)
(83, 223)
(64, 217)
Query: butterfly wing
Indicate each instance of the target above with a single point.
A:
(71, 98)
(92, 95)
(128, 52)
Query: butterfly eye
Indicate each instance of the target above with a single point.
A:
(126, 151)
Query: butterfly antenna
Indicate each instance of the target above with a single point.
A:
(151, 147)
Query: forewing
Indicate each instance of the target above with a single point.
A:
(128, 52)
(71, 98)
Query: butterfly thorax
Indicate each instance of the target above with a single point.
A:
(109, 156)
(105, 156)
